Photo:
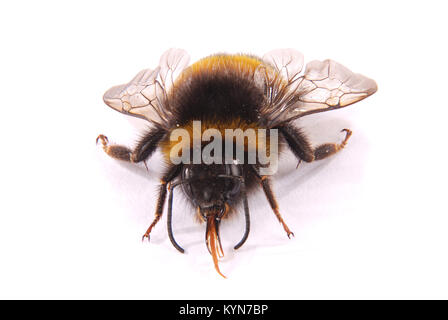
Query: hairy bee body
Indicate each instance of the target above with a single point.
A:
(220, 92)
(226, 93)
(218, 89)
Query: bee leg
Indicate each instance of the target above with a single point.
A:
(325, 150)
(114, 151)
(159, 209)
(168, 177)
(302, 149)
(265, 183)
(298, 143)
(145, 147)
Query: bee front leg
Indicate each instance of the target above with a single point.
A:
(266, 185)
(274, 205)
(159, 209)
(172, 173)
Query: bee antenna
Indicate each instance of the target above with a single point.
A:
(169, 221)
(246, 216)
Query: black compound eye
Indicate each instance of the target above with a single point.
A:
(234, 190)
(236, 171)
(187, 173)
(233, 170)
(233, 186)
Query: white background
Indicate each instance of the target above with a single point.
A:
(371, 222)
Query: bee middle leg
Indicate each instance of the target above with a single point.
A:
(144, 149)
(302, 149)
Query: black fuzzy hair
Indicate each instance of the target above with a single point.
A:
(222, 96)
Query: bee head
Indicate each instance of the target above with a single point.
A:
(211, 187)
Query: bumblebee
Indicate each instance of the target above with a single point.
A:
(229, 92)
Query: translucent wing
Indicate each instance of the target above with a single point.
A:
(287, 62)
(329, 85)
(325, 85)
(145, 95)
(172, 63)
